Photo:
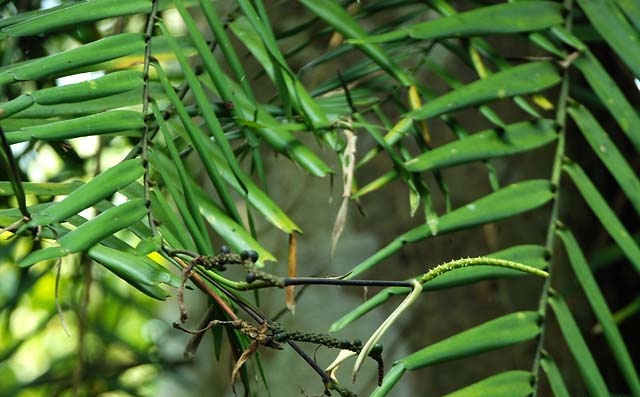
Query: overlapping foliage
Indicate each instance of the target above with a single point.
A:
(184, 108)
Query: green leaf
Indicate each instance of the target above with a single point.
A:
(139, 271)
(608, 153)
(523, 79)
(335, 15)
(600, 308)
(235, 235)
(615, 29)
(505, 384)
(500, 332)
(586, 364)
(531, 255)
(553, 375)
(632, 9)
(99, 188)
(96, 124)
(89, 54)
(276, 68)
(496, 19)
(214, 162)
(604, 213)
(487, 144)
(199, 140)
(90, 233)
(610, 95)
(41, 188)
(87, 11)
(506, 202)
(190, 212)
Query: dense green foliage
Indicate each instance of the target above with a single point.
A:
(116, 186)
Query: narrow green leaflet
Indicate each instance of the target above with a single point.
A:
(610, 95)
(254, 195)
(110, 84)
(191, 211)
(553, 375)
(505, 384)
(90, 233)
(336, 16)
(531, 255)
(586, 364)
(225, 45)
(170, 226)
(86, 11)
(290, 86)
(99, 188)
(523, 79)
(98, 51)
(605, 214)
(506, 202)
(497, 19)
(632, 9)
(500, 332)
(139, 271)
(608, 153)
(487, 144)
(615, 29)
(97, 124)
(199, 140)
(40, 188)
(600, 308)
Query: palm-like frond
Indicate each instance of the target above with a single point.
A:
(196, 101)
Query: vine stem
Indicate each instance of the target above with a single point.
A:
(145, 109)
(556, 174)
